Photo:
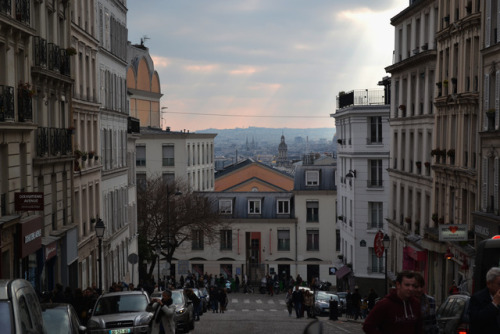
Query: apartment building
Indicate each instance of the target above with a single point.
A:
(362, 123)
(86, 137)
(487, 217)
(116, 201)
(411, 171)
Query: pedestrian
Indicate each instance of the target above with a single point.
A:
(484, 306)
(237, 284)
(334, 309)
(163, 314)
(214, 299)
(223, 301)
(289, 302)
(196, 302)
(364, 307)
(356, 303)
(372, 297)
(427, 306)
(398, 312)
(308, 303)
(297, 299)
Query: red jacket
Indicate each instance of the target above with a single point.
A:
(392, 315)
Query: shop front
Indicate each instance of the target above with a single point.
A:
(30, 249)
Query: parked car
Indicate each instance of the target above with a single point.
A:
(120, 312)
(20, 310)
(342, 301)
(184, 314)
(452, 316)
(322, 302)
(61, 319)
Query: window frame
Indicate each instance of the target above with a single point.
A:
(285, 202)
(167, 157)
(139, 161)
(197, 240)
(376, 130)
(257, 210)
(226, 240)
(283, 243)
(312, 245)
(312, 178)
(376, 169)
(312, 217)
(225, 212)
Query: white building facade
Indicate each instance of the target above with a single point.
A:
(363, 144)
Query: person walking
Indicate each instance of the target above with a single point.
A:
(163, 314)
(214, 299)
(237, 284)
(427, 306)
(223, 301)
(372, 296)
(297, 299)
(308, 303)
(356, 303)
(484, 306)
(196, 302)
(398, 312)
(289, 302)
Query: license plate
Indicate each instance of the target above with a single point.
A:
(119, 331)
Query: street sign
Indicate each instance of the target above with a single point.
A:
(378, 245)
(133, 258)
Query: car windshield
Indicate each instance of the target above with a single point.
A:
(56, 320)
(177, 298)
(5, 317)
(121, 304)
(322, 296)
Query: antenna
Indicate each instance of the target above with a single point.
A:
(144, 39)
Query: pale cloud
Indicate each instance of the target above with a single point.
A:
(265, 87)
(160, 62)
(201, 68)
(243, 71)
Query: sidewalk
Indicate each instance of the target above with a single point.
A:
(345, 319)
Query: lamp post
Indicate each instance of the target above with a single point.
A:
(169, 243)
(158, 253)
(387, 243)
(99, 232)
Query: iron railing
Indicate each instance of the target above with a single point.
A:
(53, 57)
(361, 97)
(6, 7)
(53, 142)
(64, 63)
(40, 51)
(6, 103)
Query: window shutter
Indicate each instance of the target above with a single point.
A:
(486, 91)
(484, 188)
(495, 186)
(488, 24)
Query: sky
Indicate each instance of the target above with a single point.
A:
(227, 64)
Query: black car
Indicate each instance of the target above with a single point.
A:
(61, 318)
(452, 316)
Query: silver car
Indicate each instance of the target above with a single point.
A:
(322, 302)
(184, 313)
(120, 312)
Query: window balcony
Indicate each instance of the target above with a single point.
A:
(23, 11)
(53, 142)
(24, 105)
(40, 51)
(6, 7)
(6, 103)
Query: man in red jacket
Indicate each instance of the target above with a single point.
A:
(398, 312)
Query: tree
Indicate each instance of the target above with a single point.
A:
(167, 215)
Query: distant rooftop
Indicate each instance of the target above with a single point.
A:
(361, 97)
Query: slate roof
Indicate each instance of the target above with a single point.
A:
(326, 177)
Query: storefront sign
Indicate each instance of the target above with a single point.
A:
(482, 230)
(30, 233)
(28, 201)
(50, 251)
(452, 232)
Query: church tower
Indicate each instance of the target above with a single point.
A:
(282, 153)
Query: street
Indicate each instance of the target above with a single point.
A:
(261, 313)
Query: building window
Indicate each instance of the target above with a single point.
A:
(337, 240)
(254, 206)
(376, 263)
(198, 269)
(226, 271)
(283, 240)
(375, 173)
(376, 216)
(225, 206)
(312, 212)
(168, 178)
(313, 240)
(226, 240)
(376, 130)
(168, 155)
(197, 240)
(283, 206)
(140, 156)
(141, 181)
(312, 177)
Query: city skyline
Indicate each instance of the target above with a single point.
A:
(270, 64)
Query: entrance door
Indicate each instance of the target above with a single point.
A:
(312, 272)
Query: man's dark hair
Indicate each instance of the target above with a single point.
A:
(404, 273)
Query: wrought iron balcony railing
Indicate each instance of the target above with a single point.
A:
(24, 105)
(53, 57)
(6, 103)
(64, 63)
(23, 11)
(40, 51)
(53, 142)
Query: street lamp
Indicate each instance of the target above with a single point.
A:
(387, 243)
(158, 252)
(169, 242)
(99, 232)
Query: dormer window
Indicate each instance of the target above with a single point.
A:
(225, 206)
(312, 178)
(254, 206)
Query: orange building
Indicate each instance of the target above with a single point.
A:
(250, 175)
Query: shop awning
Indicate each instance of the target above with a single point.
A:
(342, 271)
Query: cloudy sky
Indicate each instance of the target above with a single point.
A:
(271, 63)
